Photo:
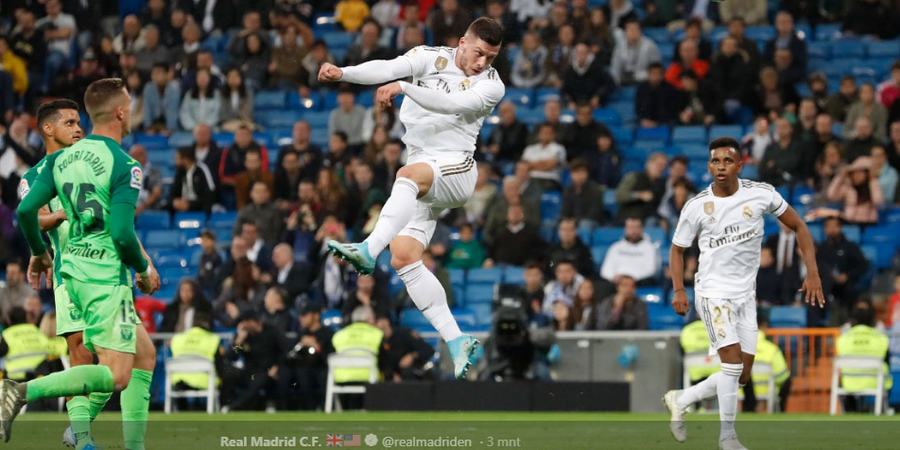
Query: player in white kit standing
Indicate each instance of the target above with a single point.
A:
(452, 91)
(728, 217)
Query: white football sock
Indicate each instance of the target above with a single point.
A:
(699, 392)
(727, 391)
(429, 296)
(395, 215)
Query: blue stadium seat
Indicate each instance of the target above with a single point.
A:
(317, 119)
(479, 293)
(269, 100)
(283, 118)
(544, 95)
(886, 240)
(530, 116)
(190, 220)
(151, 141)
(819, 50)
(171, 259)
(153, 220)
(483, 314)
(625, 110)
(625, 94)
(848, 49)
(396, 284)
(891, 217)
(608, 116)
(695, 152)
(607, 235)
(520, 96)
(551, 205)
(332, 318)
(295, 102)
(663, 318)
(760, 33)
(666, 52)
(693, 134)
(622, 135)
(884, 49)
(659, 35)
(222, 219)
(852, 233)
(688, 290)
(338, 39)
(817, 231)
(383, 262)
(658, 134)
(181, 139)
(828, 32)
(413, 318)
(787, 317)
(656, 234)
(457, 276)
(598, 253)
(514, 275)
(586, 236)
(163, 238)
(651, 294)
(732, 131)
(484, 276)
(467, 318)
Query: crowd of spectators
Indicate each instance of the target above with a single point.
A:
(293, 195)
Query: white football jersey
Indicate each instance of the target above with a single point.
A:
(730, 231)
(432, 133)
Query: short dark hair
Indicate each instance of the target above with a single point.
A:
(578, 164)
(16, 262)
(895, 66)
(161, 65)
(532, 264)
(861, 315)
(49, 112)
(340, 135)
(565, 261)
(187, 153)
(486, 29)
(655, 65)
(253, 150)
(689, 74)
(693, 22)
(727, 142)
(681, 159)
(17, 316)
(98, 96)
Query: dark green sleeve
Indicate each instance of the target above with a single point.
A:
(121, 229)
(39, 195)
(125, 182)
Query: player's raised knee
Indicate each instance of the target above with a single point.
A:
(121, 380)
(420, 173)
(401, 259)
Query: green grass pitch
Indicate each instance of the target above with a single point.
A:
(551, 431)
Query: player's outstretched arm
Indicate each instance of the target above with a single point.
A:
(812, 285)
(676, 265)
(372, 72)
(479, 98)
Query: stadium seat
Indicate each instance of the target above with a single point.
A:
(658, 134)
(530, 116)
(484, 276)
(852, 233)
(170, 259)
(466, 317)
(153, 220)
(181, 139)
(457, 276)
(609, 203)
(884, 49)
(607, 235)
(163, 238)
(222, 219)
(413, 318)
(513, 275)
(656, 234)
(695, 152)
(651, 294)
(663, 318)
(598, 253)
(551, 205)
(625, 94)
(692, 134)
(819, 50)
(482, 313)
(623, 135)
(338, 39)
(625, 110)
(151, 141)
(659, 35)
(479, 293)
(787, 317)
(732, 131)
(521, 97)
(607, 116)
(190, 220)
(544, 95)
(269, 100)
(332, 318)
(828, 32)
(760, 33)
(848, 49)
(294, 101)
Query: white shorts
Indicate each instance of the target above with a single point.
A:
(454, 183)
(729, 322)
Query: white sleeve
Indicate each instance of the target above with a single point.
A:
(686, 230)
(378, 71)
(483, 96)
(777, 205)
(608, 269)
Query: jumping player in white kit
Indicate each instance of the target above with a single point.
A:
(452, 91)
(728, 218)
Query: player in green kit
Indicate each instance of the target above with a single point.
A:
(98, 185)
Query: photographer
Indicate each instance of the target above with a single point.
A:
(404, 354)
(262, 349)
(306, 367)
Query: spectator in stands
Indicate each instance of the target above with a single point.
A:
(605, 162)
(530, 64)
(434, 266)
(351, 14)
(363, 199)
(586, 81)
(839, 104)
(755, 143)
(368, 48)
(787, 72)
(264, 213)
(655, 99)
(731, 74)
(285, 70)
(817, 139)
(146, 308)
(861, 139)
(865, 340)
(466, 253)
(782, 162)
(210, 262)
(347, 118)
(786, 267)
(204, 61)
(412, 38)
(233, 160)
(259, 251)
(893, 147)
(293, 278)
(787, 38)
(625, 310)
(253, 172)
(216, 19)
(407, 20)
(309, 155)
(207, 151)
(27, 42)
(635, 255)
(845, 260)
(151, 187)
(584, 313)
(561, 316)
(15, 66)
(16, 290)
(678, 170)
(887, 176)
(533, 291)
(599, 36)
(185, 55)
(581, 136)
(818, 90)
(367, 294)
(620, 13)
(560, 55)
(688, 60)
(74, 84)
(155, 13)
(515, 243)
(276, 313)
(509, 138)
(529, 191)
(131, 38)
(202, 104)
(449, 22)
(388, 164)
(769, 281)
(477, 206)
(180, 312)
(262, 349)
(772, 98)
(828, 166)
(287, 182)
(893, 316)
(867, 106)
(583, 199)
(307, 360)
(331, 193)
(753, 12)
(698, 102)
(570, 248)
(498, 10)
(237, 103)
(234, 284)
(194, 188)
(563, 288)
(135, 86)
(640, 193)
(552, 113)
(404, 354)
(859, 191)
(251, 55)
(172, 36)
(870, 18)
(59, 30)
(162, 99)
(633, 55)
(380, 116)
(313, 60)
(889, 90)
(545, 160)
(693, 32)
(736, 28)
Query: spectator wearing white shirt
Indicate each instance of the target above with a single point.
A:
(634, 255)
(59, 32)
(633, 55)
(530, 9)
(546, 159)
(564, 288)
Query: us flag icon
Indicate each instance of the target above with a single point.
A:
(352, 440)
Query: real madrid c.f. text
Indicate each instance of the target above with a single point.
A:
(260, 441)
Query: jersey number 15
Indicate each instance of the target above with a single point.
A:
(88, 213)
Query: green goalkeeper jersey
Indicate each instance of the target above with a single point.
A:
(58, 236)
(89, 177)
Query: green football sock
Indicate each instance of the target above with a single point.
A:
(135, 400)
(80, 418)
(98, 401)
(80, 380)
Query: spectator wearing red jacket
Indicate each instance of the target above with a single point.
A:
(689, 60)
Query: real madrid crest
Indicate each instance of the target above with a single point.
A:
(748, 213)
(464, 84)
(721, 333)
(709, 208)
(440, 63)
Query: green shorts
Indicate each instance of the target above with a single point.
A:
(110, 320)
(68, 318)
